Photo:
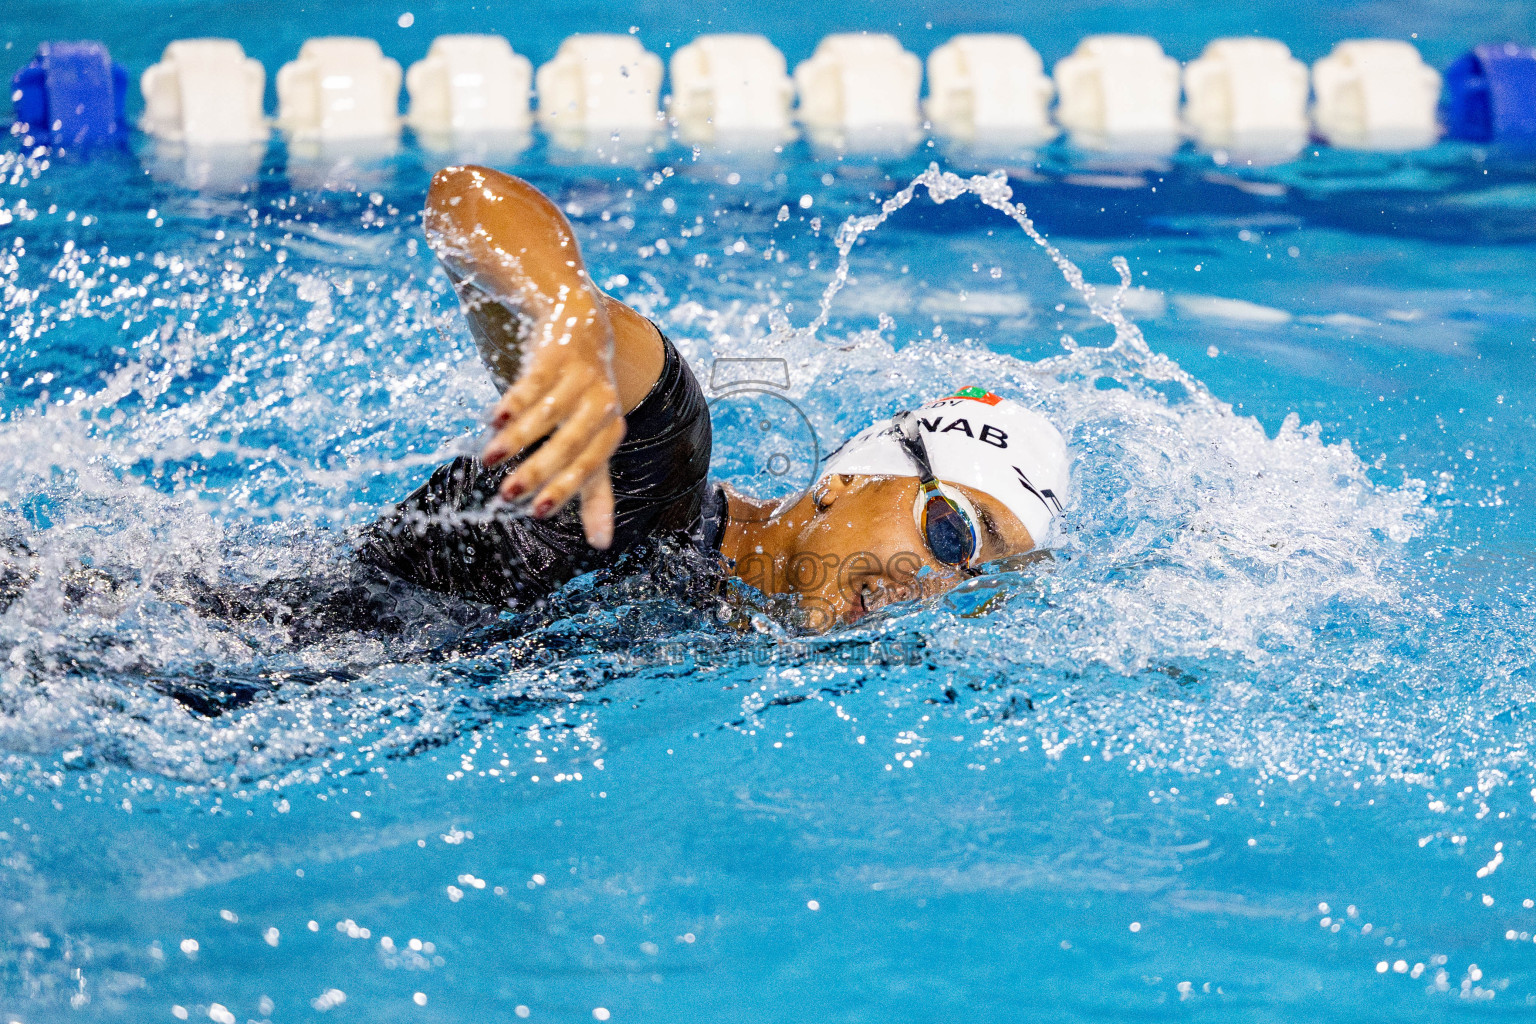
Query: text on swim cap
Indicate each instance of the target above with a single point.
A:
(990, 434)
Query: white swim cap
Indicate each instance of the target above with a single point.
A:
(976, 439)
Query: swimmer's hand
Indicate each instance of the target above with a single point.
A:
(546, 332)
(567, 392)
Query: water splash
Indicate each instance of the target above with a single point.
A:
(993, 190)
(240, 442)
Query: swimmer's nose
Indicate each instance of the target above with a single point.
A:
(882, 591)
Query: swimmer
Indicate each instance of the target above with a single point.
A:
(600, 443)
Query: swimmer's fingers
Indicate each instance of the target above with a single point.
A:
(556, 471)
(589, 475)
(534, 385)
(535, 419)
(553, 368)
(597, 508)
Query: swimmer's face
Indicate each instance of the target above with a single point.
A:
(852, 546)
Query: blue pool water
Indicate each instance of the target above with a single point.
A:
(1254, 744)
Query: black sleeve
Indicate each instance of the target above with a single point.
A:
(450, 536)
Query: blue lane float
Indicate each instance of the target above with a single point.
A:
(73, 93)
(1490, 95)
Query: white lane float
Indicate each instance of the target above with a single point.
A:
(731, 84)
(1249, 95)
(205, 93)
(1376, 94)
(860, 89)
(1114, 92)
(1119, 92)
(990, 87)
(339, 89)
(598, 85)
(469, 87)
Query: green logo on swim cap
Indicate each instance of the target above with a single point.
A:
(977, 394)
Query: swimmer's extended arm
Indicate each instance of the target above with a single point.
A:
(572, 360)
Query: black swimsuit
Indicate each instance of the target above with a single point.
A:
(449, 535)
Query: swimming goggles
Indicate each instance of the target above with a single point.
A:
(948, 529)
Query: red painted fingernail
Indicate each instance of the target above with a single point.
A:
(543, 508)
(514, 489)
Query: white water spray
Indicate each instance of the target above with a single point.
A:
(994, 191)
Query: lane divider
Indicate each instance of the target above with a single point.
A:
(73, 93)
(600, 83)
(1248, 94)
(1119, 92)
(731, 84)
(1490, 95)
(1375, 94)
(339, 88)
(860, 81)
(1114, 92)
(469, 85)
(204, 92)
(990, 86)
